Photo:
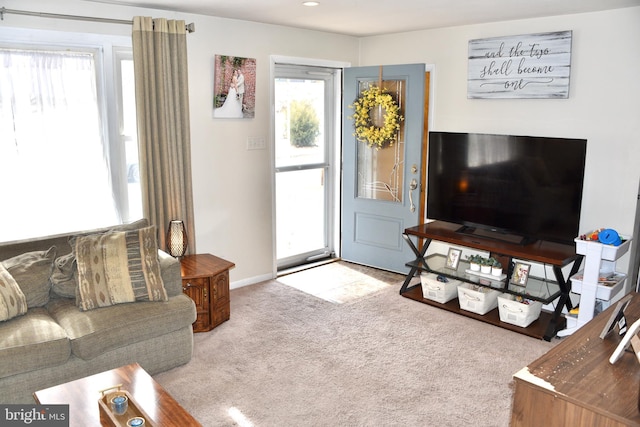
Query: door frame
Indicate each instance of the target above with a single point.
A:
(337, 176)
(428, 126)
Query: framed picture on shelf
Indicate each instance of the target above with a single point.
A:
(520, 274)
(617, 318)
(453, 258)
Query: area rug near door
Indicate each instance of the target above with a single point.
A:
(287, 358)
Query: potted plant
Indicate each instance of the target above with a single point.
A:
(485, 265)
(474, 262)
(496, 268)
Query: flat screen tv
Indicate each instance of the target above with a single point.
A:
(523, 188)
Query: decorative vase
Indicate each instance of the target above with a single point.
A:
(485, 269)
(496, 271)
(474, 266)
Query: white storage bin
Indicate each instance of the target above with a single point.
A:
(438, 291)
(481, 301)
(603, 291)
(517, 313)
(609, 252)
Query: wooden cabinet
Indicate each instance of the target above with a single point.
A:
(575, 385)
(205, 278)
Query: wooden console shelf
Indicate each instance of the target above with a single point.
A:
(553, 254)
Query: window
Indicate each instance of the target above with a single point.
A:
(130, 200)
(68, 151)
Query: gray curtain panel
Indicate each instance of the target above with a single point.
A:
(162, 107)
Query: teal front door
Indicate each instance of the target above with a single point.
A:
(381, 187)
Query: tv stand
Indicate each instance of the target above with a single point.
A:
(539, 289)
(497, 235)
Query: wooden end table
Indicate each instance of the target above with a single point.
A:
(205, 278)
(82, 397)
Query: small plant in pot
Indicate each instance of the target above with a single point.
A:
(474, 262)
(485, 265)
(496, 268)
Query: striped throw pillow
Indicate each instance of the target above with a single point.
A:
(13, 303)
(118, 267)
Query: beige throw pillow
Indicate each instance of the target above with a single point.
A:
(12, 301)
(118, 267)
(64, 279)
(31, 270)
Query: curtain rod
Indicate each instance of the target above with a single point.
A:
(190, 28)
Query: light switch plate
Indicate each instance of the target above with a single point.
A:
(255, 143)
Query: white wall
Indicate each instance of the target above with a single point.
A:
(232, 186)
(603, 104)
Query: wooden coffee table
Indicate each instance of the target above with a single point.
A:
(82, 397)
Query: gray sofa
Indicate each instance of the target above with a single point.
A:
(55, 341)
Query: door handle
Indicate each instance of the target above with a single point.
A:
(412, 186)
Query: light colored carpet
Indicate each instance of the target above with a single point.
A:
(288, 358)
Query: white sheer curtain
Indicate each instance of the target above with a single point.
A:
(52, 158)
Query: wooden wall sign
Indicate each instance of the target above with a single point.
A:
(524, 66)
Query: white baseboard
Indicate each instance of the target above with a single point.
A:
(250, 281)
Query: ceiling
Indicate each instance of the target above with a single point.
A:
(375, 17)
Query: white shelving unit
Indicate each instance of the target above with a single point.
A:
(600, 261)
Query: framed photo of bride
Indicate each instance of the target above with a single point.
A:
(234, 87)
